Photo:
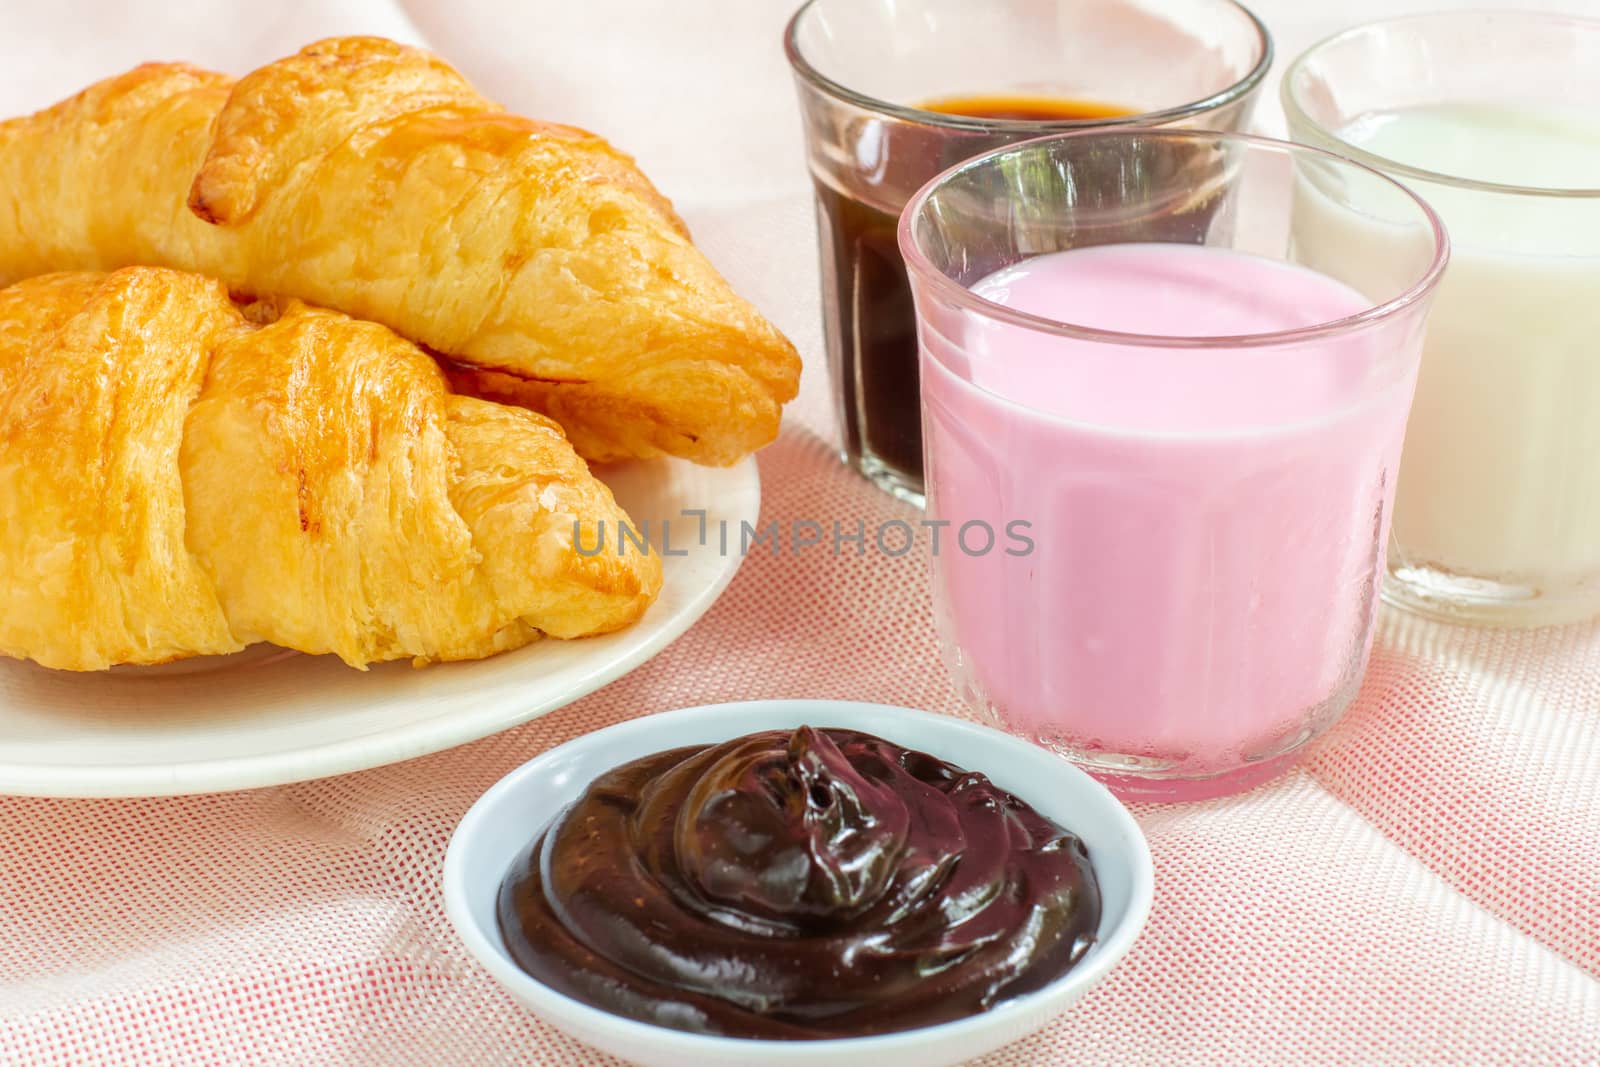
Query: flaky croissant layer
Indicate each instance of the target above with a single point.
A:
(178, 478)
(370, 177)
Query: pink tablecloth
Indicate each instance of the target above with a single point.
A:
(1426, 889)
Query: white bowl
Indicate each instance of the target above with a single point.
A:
(519, 806)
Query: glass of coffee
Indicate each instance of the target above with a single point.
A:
(895, 91)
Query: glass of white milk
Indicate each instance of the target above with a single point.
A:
(1493, 118)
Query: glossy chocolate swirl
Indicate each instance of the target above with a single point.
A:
(823, 883)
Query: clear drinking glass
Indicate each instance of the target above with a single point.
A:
(863, 67)
(1490, 116)
(1165, 450)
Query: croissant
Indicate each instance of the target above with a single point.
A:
(178, 479)
(370, 177)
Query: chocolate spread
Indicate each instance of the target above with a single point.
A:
(814, 884)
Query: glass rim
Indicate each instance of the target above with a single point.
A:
(1295, 112)
(906, 113)
(916, 260)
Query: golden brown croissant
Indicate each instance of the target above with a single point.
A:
(177, 479)
(370, 177)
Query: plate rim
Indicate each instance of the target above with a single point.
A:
(291, 767)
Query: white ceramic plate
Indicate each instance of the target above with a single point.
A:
(266, 716)
(502, 822)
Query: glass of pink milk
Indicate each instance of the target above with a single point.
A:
(1166, 463)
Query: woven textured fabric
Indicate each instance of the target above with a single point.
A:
(1425, 889)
